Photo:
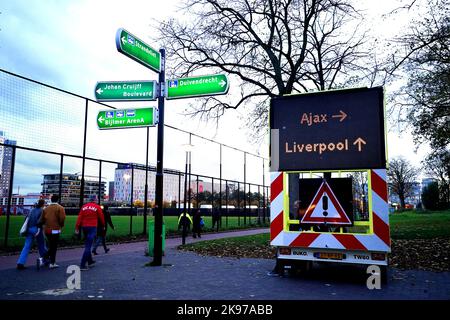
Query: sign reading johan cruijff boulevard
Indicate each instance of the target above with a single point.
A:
(138, 50)
(197, 86)
(126, 91)
(330, 130)
(127, 118)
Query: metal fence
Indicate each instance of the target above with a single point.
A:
(49, 144)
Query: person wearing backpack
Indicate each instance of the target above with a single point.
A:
(32, 232)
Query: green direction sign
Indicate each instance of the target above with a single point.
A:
(197, 86)
(138, 50)
(125, 91)
(127, 118)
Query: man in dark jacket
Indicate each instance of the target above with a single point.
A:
(101, 233)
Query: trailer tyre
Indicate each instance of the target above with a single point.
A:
(384, 274)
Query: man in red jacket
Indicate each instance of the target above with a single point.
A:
(88, 218)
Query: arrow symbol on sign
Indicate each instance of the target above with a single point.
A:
(360, 142)
(342, 115)
(99, 91)
(222, 83)
(123, 40)
(101, 119)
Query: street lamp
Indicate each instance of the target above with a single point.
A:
(188, 148)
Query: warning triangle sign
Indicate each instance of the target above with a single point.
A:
(325, 208)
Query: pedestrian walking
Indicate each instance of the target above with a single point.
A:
(197, 222)
(216, 219)
(33, 232)
(52, 220)
(101, 233)
(89, 218)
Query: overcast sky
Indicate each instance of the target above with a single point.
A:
(71, 45)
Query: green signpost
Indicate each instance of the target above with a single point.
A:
(126, 91)
(138, 50)
(197, 86)
(127, 118)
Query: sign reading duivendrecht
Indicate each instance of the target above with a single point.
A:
(197, 86)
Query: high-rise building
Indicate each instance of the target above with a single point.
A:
(173, 183)
(71, 186)
(5, 163)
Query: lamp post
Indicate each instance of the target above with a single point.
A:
(188, 148)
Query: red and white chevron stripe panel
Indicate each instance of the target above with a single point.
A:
(378, 241)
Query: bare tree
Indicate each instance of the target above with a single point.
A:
(269, 48)
(401, 178)
(422, 57)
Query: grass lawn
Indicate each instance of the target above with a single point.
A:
(420, 225)
(121, 232)
(420, 240)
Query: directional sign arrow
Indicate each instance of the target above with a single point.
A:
(126, 91)
(127, 118)
(209, 85)
(342, 115)
(138, 50)
(359, 142)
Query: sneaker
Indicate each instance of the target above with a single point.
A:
(20, 266)
(39, 263)
(91, 264)
(94, 253)
(85, 268)
(53, 266)
(107, 250)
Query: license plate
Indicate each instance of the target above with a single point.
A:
(329, 255)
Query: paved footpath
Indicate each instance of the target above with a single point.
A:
(122, 274)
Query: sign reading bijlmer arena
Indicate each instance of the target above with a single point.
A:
(127, 118)
(330, 130)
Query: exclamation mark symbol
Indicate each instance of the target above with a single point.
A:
(325, 205)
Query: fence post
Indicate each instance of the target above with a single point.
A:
(131, 199)
(100, 182)
(146, 185)
(239, 203)
(10, 191)
(226, 201)
(61, 168)
(245, 195)
(84, 154)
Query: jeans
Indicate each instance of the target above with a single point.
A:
(89, 235)
(29, 242)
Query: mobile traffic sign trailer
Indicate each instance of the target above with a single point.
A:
(136, 49)
(333, 131)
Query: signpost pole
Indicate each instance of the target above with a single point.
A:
(157, 256)
(146, 185)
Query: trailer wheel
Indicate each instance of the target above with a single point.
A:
(384, 274)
